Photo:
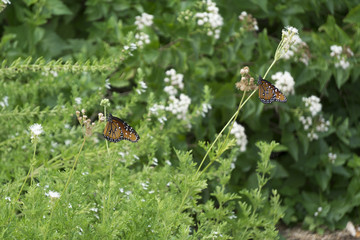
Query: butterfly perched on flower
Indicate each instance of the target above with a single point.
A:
(268, 93)
(117, 130)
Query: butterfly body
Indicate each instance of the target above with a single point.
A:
(117, 130)
(268, 93)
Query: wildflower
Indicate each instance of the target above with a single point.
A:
(247, 82)
(94, 209)
(105, 102)
(312, 135)
(332, 157)
(144, 20)
(313, 103)
(239, 132)
(8, 199)
(168, 162)
(4, 102)
(78, 100)
(285, 82)
(70, 206)
(179, 106)
(210, 20)
(171, 90)
(67, 142)
(107, 83)
(250, 23)
(6, 1)
(142, 87)
(145, 185)
(175, 79)
(340, 55)
(205, 107)
(155, 161)
(35, 130)
(52, 194)
(288, 38)
(142, 39)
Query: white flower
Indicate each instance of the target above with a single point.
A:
(35, 130)
(313, 103)
(94, 209)
(316, 214)
(142, 38)
(168, 162)
(67, 142)
(179, 106)
(312, 136)
(52, 194)
(285, 82)
(8, 199)
(4, 102)
(107, 83)
(289, 37)
(210, 19)
(319, 209)
(340, 55)
(205, 108)
(170, 90)
(143, 20)
(78, 100)
(175, 79)
(6, 1)
(239, 132)
(335, 50)
(142, 87)
(332, 157)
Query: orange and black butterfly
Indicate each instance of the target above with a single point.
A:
(117, 130)
(268, 93)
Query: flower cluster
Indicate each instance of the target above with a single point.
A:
(247, 82)
(298, 50)
(175, 79)
(142, 87)
(143, 20)
(179, 106)
(239, 132)
(313, 103)
(36, 130)
(332, 157)
(129, 48)
(319, 210)
(341, 55)
(210, 20)
(142, 39)
(289, 36)
(248, 21)
(84, 121)
(314, 123)
(285, 82)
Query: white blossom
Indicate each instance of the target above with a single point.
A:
(313, 103)
(142, 39)
(179, 106)
(35, 130)
(340, 55)
(285, 82)
(4, 102)
(171, 90)
(6, 1)
(175, 79)
(52, 194)
(144, 20)
(210, 19)
(78, 100)
(142, 87)
(239, 132)
(332, 157)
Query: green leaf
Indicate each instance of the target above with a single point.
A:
(289, 140)
(57, 7)
(353, 16)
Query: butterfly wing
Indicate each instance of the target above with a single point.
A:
(268, 93)
(117, 130)
(128, 132)
(112, 132)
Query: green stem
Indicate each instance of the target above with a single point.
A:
(33, 163)
(66, 185)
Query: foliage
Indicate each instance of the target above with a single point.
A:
(62, 56)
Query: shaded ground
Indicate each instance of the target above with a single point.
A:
(297, 233)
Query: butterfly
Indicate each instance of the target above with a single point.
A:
(268, 93)
(117, 130)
